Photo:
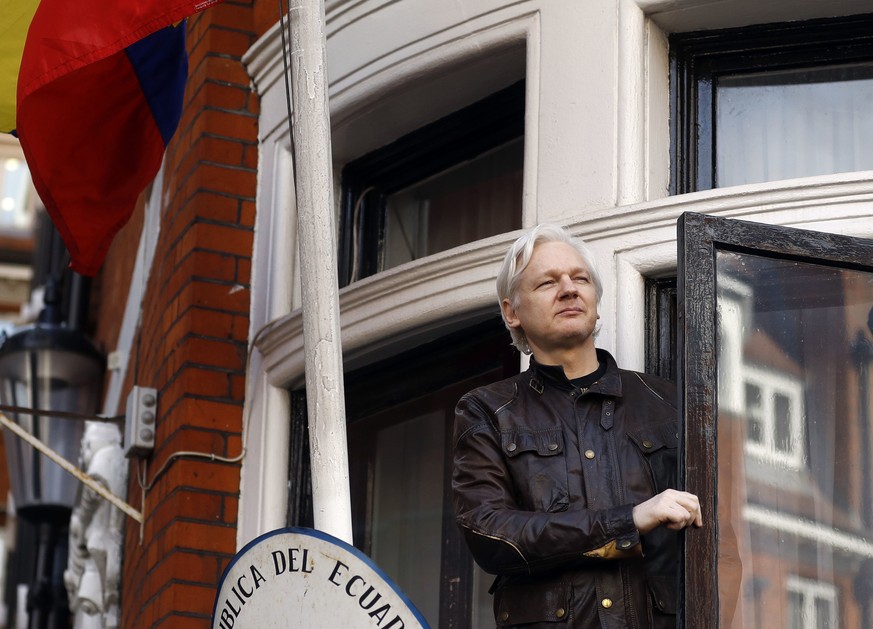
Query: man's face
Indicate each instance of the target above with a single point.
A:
(556, 301)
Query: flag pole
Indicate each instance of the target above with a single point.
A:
(318, 270)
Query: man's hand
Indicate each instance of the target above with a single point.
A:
(674, 509)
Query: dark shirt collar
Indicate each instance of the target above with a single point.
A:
(585, 382)
(553, 375)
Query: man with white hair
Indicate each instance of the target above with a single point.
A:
(564, 475)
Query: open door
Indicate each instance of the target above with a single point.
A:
(775, 348)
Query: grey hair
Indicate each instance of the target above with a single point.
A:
(517, 259)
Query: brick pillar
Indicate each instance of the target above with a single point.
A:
(193, 338)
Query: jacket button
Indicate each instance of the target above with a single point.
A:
(504, 616)
(625, 543)
(606, 603)
(511, 447)
(647, 444)
(553, 446)
(589, 454)
(560, 613)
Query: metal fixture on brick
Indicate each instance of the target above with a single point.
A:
(139, 424)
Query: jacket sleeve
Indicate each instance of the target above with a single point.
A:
(505, 539)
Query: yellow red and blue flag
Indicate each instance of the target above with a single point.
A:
(98, 94)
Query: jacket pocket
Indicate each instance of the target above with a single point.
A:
(658, 444)
(532, 603)
(538, 466)
(662, 590)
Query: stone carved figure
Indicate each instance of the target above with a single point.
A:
(93, 569)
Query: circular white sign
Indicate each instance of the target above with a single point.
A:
(297, 577)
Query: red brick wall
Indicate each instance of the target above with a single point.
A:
(192, 344)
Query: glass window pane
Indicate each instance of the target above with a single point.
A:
(753, 414)
(823, 614)
(793, 123)
(408, 508)
(782, 422)
(795, 611)
(799, 500)
(448, 183)
(479, 198)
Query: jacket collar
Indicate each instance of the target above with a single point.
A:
(554, 376)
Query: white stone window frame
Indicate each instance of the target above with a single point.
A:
(390, 305)
(615, 199)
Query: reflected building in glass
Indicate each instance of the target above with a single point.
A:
(794, 466)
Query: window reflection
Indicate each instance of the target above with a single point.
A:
(774, 414)
(795, 479)
(811, 604)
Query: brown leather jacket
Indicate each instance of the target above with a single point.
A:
(545, 479)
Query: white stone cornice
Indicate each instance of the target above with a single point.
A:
(459, 56)
(459, 283)
(447, 287)
(691, 15)
(796, 203)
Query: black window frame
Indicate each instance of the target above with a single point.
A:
(699, 238)
(368, 181)
(697, 59)
(661, 328)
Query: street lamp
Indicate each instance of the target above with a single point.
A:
(50, 368)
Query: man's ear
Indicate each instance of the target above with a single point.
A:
(509, 315)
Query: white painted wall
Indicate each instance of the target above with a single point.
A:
(596, 158)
